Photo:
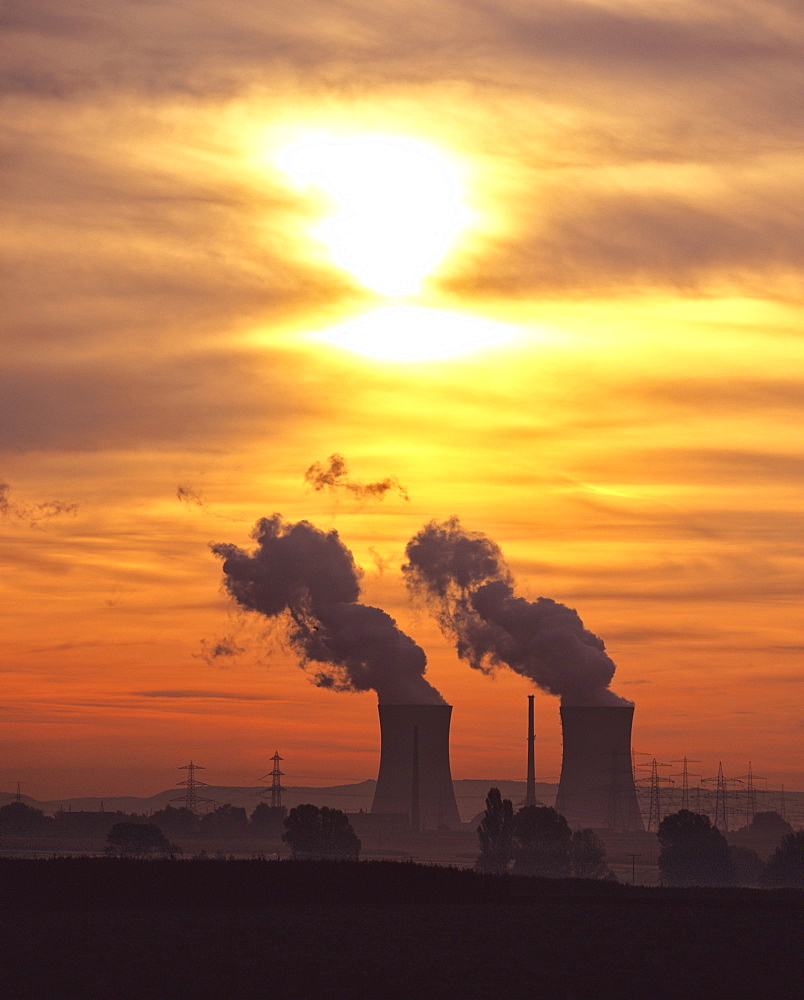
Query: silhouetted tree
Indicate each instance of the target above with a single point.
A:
(176, 821)
(320, 833)
(18, 818)
(495, 834)
(542, 841)
(786, 865)
(747, 865)
(693, 852)
(225, 821)
(587, 855)
(769, 824)
(268, 821)
(138, 840)
(763, 834)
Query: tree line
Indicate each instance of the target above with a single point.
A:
(537, 840)
(310, 831)
(19, 819)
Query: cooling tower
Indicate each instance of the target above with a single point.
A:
(597, 783)
(403, 784)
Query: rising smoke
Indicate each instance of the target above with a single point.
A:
(464, 578)
(33, 513)
(309, 578)
(334, 475)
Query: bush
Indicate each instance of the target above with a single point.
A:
(139, 840)
(18, 818)
(268, 820)
(225, 821)
(786, 865)
(693, 852)
(587, 855)
(320, 833)
(747, 864)
(176, 821)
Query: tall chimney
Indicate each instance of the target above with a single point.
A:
(530, 795)
(597, 782)
(396, 778)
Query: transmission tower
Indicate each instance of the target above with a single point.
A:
(655, 810)
(684, 775)
(276, 785)
(721, 819)
(191, 798)
(18, 797)
(721, 805)
(750, 793)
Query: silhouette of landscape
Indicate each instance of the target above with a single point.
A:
(303, 929)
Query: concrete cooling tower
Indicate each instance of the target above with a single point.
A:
(414, 777)
(597, 783)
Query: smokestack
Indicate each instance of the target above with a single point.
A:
(597, 782)
(530, 796)
(397, 777)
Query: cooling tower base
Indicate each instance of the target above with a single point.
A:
(414, 777)
(597, 783)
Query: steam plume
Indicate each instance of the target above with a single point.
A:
(219, 650)
(309, 578)
(189, 496)
(33, 513)
(334, 475)
(464, 578)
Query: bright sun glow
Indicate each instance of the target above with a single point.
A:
(412, 333)
(396, 205)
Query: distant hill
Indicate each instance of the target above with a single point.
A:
(349, 798)
(469, 793)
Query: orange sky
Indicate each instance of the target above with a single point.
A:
(625, 188)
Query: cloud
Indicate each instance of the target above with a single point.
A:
(335, 476)
(601, 233)
(123, 402)
(187, 495)
(63, 646)
(603, 130)
(34, 514)
(180, 693)
(219, 651)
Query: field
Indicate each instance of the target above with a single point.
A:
(161, 930)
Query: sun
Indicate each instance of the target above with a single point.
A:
(404, 332)
(395, 205)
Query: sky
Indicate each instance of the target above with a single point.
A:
(534, 264)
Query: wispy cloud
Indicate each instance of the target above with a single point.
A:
(177, 693)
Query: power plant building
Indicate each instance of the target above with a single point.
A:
(414, 778)
(597, 788)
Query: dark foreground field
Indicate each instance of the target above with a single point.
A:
(158, 930)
